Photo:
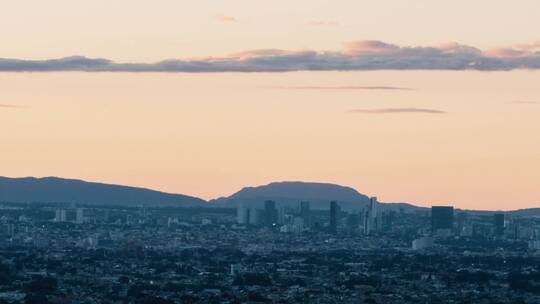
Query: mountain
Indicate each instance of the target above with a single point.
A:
(59, 190)
(531, 212)
(291, 193)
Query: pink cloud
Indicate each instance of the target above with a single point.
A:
(226, 19)
(517, 50)
(363, 47)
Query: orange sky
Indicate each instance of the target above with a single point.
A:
(466, 138)
(210, 134)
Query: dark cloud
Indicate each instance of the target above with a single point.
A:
(363, 55)
(368, 88)
(397, 110)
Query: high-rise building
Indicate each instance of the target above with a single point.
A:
(60, 215)
(270, 213)
(498, 224)
(372, 220)
(334, 210)
(442, 217)
(241, 214)
(305, 212)
(79, 216)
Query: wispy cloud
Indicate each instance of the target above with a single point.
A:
(367, 88)
(397, 110)
(9, 106)
(323, 23)
(524, 102)
(364, 55)
(226, 19)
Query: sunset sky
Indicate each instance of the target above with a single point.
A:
(428, 102)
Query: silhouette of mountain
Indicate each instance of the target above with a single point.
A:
(531, 212)
(59, 190)
(291, 193)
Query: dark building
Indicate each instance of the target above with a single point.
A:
(270, 213)
(334, 210)
(498, 224)
(442, 217)
(305, 212)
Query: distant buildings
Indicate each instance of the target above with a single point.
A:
(498, 224)
(442, 218)
(334, 210)
(270, 213)
(422, 243)
(305, 212)
(79, 216)
(372, 220)
(242, 214)
(60, 215)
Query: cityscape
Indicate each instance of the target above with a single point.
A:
(266, 253)
(270, 152)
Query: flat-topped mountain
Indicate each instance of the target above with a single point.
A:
(291, 193)
(59, 190)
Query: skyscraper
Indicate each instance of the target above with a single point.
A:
(498, 224)
(241, 214)
(372, 221)
(305, 212)
(60, 215)
(79, 216)
(334, 209)
(442, 217)
(270, 213)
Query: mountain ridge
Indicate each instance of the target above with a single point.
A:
(53, 189)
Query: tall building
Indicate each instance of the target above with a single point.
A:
(270, 213)
(241, 214)
(498, 224)
(334, 210)
(305, 212)
(60, 215)
(442, 217)
(372, 220)
(79, 216)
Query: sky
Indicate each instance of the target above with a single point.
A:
(428, 102)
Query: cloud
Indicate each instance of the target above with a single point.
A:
(368, 88)
(226, 19)
(9, 106)
(524, 102)
(323, 23)
(363, 55)
(397, 110)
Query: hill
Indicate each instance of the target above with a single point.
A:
(59, 190)
(291, 193)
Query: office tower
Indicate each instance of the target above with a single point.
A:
(60, 215)
(79, 216)
(498, 224)
(270, 213)
(305, 212)
(241, 214)
(442, 217)
(334, 210)
(372, 220)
